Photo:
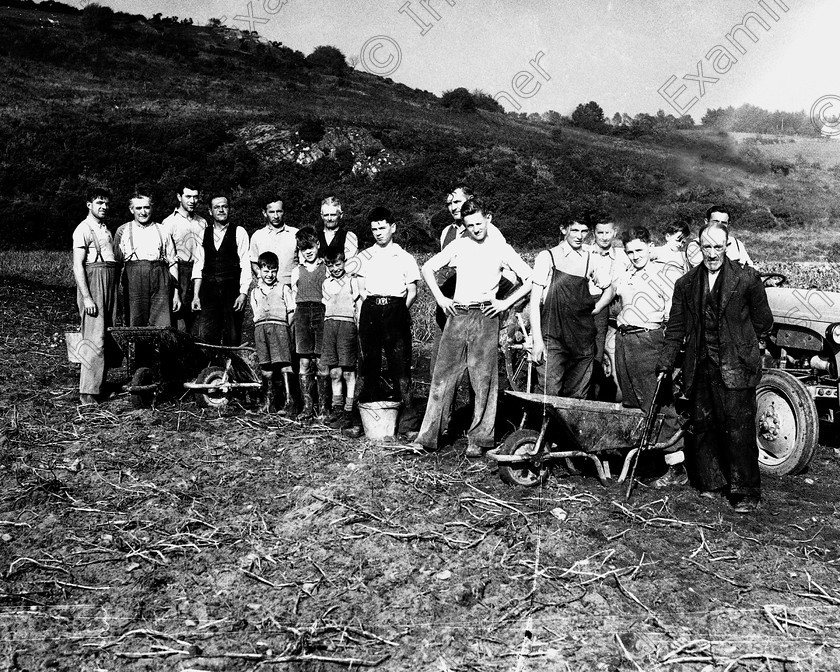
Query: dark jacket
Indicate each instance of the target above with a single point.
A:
(744, 317)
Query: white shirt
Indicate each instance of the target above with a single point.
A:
(135, 242)
(608, 264)
(187, 233)
(646, 294)
(89, 232)
(387, 270)
(282, 242)
(242, 251)
(479, 266)
(713, 276)
(461, 232)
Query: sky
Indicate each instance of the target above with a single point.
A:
(539, 55)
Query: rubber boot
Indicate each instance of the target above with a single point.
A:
(337, 409)
(267, 394)
(355, 430)
(289, 407)
(306, 389)
(323, 397)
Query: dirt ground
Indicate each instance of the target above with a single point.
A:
(185, 539)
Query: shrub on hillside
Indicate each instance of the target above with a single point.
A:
(329, 59)
(97, 18)
(459, 100)
(311, 130)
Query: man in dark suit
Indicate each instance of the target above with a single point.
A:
(719, 313)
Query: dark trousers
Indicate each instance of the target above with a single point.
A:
(185, 318)
(566, 372)
(635, 360)
(469, 343)
(722, 450)
(387, 328)
(219, 323)
(148, 293)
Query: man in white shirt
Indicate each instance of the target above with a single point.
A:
(96, 272)
(186, 227)
(277, 237)
(470, 336)
(222, 276)
(387, 280)
(735, 249)
(150, 266)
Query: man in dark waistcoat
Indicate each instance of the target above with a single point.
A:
(719, 313)
(222, 275)
(333, 236)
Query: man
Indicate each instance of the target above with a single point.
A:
(333, 236)
(719, 313)
(563, 305)
(735, 249)
(186, 227)
(150, 267)
(387, 280)
(645, 290)
(222, 275)
(470, 336)
(95, 270)
(609, 262)
(275, 237)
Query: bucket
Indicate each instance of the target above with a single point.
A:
(73, 340)
(379, 418)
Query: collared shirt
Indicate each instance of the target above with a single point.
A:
(135, 242)
(712, 277)
(187, 233)
(282, 242)
(646, 294)
(479, 267)
(735, 251)
(387, 270)
(339, 298)
(668, 255)
(86, 236)
(568, 260)
(456, 230)
(268, 302)
(608, 264)
(242, 251)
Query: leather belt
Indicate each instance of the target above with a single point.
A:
(385, 300)
(629, 329)
(474, 305)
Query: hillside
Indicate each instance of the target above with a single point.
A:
(145, 101)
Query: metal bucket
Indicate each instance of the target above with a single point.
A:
(379, 418)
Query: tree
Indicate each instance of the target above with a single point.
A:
(484, 101)
(616, 120)
(328, 58)
(552, 117)
(589, 116)
(97, 18)
(353, 61)
(459, 100)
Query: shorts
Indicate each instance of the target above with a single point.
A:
(309, 328)
(341, 344)
(272, 342)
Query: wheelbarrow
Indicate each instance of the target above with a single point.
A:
(156, 357)
(230, 369)
(575, 428)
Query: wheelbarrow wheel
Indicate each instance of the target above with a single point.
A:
(526, 473)
(143, 376)
(211, 398)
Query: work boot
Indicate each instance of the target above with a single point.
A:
(268, 394)
(337, 409)
(674, 476)
(340, 420)
(306, 389)
(289, 407)
(323, 394)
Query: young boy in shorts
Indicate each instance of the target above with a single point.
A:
(271, 330)
(340, 348)
(307, 294)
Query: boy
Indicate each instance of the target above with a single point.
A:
(388, 277)
(150, 271)
(95, 270)
(307, 293)
(471, 335)
(672, 252)
(340, 350)
(270, 304)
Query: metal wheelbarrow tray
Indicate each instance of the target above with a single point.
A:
(570, 428)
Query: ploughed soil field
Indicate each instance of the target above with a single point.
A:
(183, 538)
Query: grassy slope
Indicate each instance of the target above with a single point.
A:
(129, 107)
